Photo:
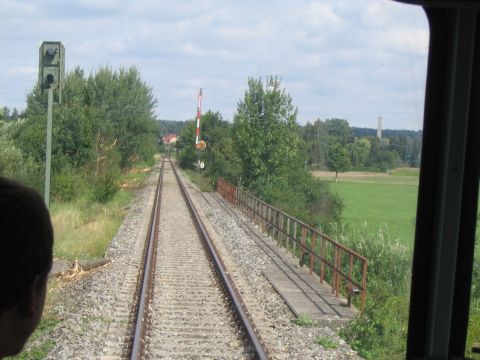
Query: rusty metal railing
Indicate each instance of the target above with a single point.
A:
(330, 260)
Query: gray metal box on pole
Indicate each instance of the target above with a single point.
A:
(52, 67)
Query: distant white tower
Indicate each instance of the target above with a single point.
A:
(379, 128)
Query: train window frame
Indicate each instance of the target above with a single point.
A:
(448, 184)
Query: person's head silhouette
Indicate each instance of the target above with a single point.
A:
(26, 240)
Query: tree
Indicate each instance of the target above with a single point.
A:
(109, 107)
(416, 151)
(339, 129)
(220, 156)
(359, 151)
(316, 145)
(265, 129)
(5, 113)
(338, 159)
(185, 146)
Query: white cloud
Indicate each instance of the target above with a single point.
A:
(337, 58)
(320, 15)
(314, 59)
(412, 41)
(116, 46)
(22, 70)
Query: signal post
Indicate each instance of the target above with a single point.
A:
(50, 77)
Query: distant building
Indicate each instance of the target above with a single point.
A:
(379, 128)
(170, 139)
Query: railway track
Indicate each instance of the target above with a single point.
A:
(187, 306)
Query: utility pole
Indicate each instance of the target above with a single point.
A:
(50, 76)
(48, 152)
(199, 113)
(199, 144)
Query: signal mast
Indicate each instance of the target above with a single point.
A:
(199, 144)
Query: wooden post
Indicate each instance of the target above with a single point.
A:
(295, 237)
(304, 238)
(364, 285)
(350, 269)
(264, 215)
(312, 251)
(277, 226)
(334, 271)
(288, 234)
(322, 255)
(339, 270)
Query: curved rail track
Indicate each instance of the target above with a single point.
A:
(187, 306)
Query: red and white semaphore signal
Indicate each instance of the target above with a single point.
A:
(199, 144)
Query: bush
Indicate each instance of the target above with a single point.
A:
(66, 186)
(105, 186)
(15, 165)
(298, 193)
(389, 260)
(380, 332)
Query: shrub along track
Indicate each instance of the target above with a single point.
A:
(189, 308)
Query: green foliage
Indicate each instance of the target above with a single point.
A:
(66, 185)
(220, 156)
(382, 253)
(105, 185)
(261, 151)
(170, 126)
(14, 163)
(105, 123)
(7, 115)
(325, 342)
(339, 129)
(264, 131)
(338, 159)
(187, 155)
(203, 182)
(315, 137)
(381, 331)
(301, 195)
(365, 151)
(359, 151)
(304, 320)
(386, 160)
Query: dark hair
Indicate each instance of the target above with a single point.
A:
(26, 240)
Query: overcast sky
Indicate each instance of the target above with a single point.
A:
(352, 59)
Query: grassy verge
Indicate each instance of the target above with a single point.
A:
(83, 229)
(198, 178)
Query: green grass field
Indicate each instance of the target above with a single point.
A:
(378, 201)
(380, 205)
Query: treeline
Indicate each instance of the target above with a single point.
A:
(262, 151)
(105, 123)
(9, 115)
(333, 144)
(170, 126)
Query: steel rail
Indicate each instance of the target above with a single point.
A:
(138, 346)
(241, 311)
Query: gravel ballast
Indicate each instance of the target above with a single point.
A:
(94, 307)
